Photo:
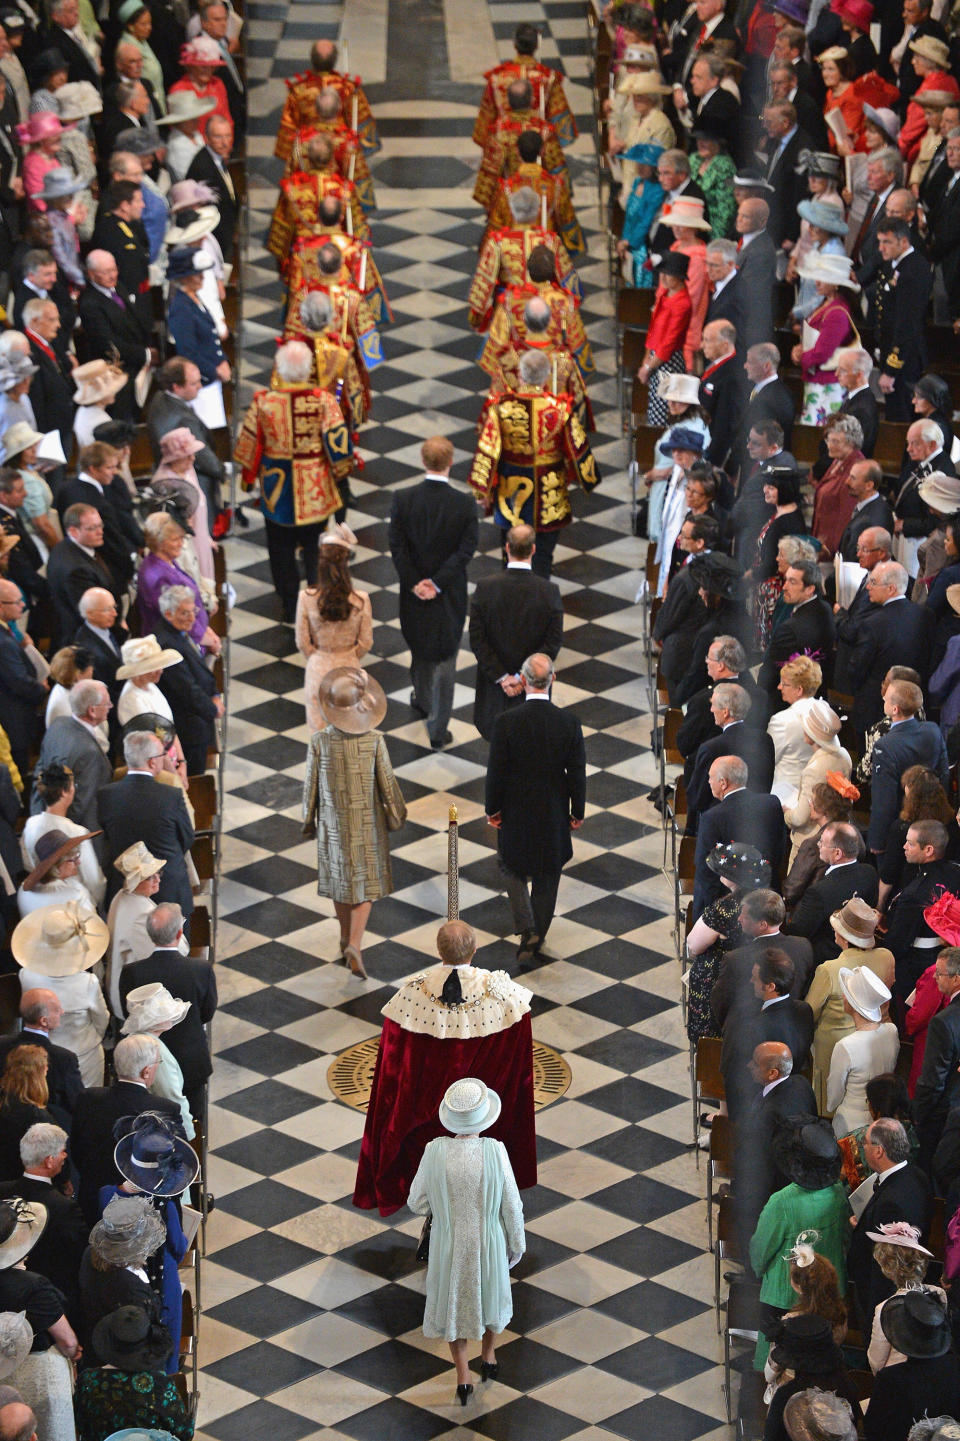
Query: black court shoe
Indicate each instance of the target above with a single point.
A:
(464, 1393)
(489, 1370)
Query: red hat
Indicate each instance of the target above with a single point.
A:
(943, 916)
(858, 12)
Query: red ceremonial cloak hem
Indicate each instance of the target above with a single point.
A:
(412, 1074)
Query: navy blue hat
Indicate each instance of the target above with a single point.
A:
(185, 260)
(154, 1157)
(683, 437)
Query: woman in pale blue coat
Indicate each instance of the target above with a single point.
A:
(465, 1183)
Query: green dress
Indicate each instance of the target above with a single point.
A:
(786, 1214)
(716, 181)
(107, 1400)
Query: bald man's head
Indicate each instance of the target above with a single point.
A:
(456, 943)
(771, 1061)
(17, 1422)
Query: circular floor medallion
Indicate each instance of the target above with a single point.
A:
(351, 1074)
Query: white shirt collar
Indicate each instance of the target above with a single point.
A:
(90, 480)
(867, 500)
(735, 792)
(773, 1001)
(718, 285)
(838, 866)
(105, 635)
(768, 381)
(881, 1177)
(432, 475)
(537, 695)
(746, 239)
(859, 389)
(44, 1180)
(87, 550)
(519, 565)
(772, 1084)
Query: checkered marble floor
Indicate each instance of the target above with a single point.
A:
(311, 1309)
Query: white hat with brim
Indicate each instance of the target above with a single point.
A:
(29, 1219)
(643, 83)
(864, 991)
(136, 864)
(830, 269)
(684, 389)
(78, 100)
(941, 492)
(833, 52)
(899, 1233)
(206, 221)
(183, 105)
(97, 383)
(469, 1106)
(143, 655)
(19, 438)
(686, 211)
(821, 724)
(152, 1005)
(60, 940)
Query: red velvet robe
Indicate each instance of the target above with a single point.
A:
(413, 1072)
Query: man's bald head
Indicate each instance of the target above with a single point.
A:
(537, 314)
(519, 95)
(773, 1056)
(328, 103)
(17, 1422)
(8, 592)
(456, 943)
(323, 56)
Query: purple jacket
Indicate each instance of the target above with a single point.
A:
(155, 575)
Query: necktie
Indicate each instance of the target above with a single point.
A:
(452, 993)
(228, 182)
(754, 391)
(864, 227)
(118, 300)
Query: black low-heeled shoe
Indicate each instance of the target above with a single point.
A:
(464, 1393)
(489, 1370)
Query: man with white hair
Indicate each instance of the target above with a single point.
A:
(767, 399)
(75, 740)
(334, 356)
(298, 435)
(541, 334)
(112, 326)
(58, 1252)
(99, 1108)
(101, 635)
(138, 808)
(895, 629)
(504, 254)
(522, 472)
(725, 290)
(925, 455)
(757, 266)
(51, 389)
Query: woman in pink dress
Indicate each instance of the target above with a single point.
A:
(690, 227)
(40, 136)
(176, 473)
(825, 331)
(334, 622)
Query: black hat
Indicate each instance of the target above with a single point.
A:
(935, 390)
(716, 573)
(807, 1152)
(152, 722)
(743, 865)
(129, 1340)
(117, 433)
(674, 263)
(47, 63)
(805, 1344)
(916, 1323)
(707, 129)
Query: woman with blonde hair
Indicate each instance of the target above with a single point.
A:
(904, 1262)
(821, 729)
(800, 679)
(24, 1098)
(334, 622)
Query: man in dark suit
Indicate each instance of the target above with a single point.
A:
(767, 399)
(810, 627)
(127, 107)
(51, 389)
(95, 484)
(884, 174)
(673, 172)
(730, 706)
(785, 140)
(214, 18)
(726, 295)
(853, 368)
(762, 914)
(136, 808)
(42, 280)
(901, 1193)
(99, 1108)
(927, 875)
(845, 876)
(872, 510)
(723, 391)
(178, 381)
(783, 1093)
(896, 628)
(768, 1012)
(433, 535)
(706, 107)
(76, 565)
(938, 1087)
(188, 979)
(512, 615)
(190, 687)
(726, 661)
(119, 231)
(112, 327)
(101, 636)
(59, 1250)
(60, 35)
(758, 272)
(785, 88)
(742, 815)
(73, 741)
(944, 222)
(705, 22)
(535, 796)
(873, 548)
(211, 166)
(24, 562)
(683, 612)
(41, 1014)
(904, 280)
(908, 742)
(21, 693)
(765, 454)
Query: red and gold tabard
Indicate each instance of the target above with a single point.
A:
(508, 328)
(304, 270)
(565, 378)
(335, 370)
(300, 108)
(295, 443)
(503, 262)
(500, 156)
(350, 318)
(531, 448)
(348, 158)
(560, 214)
(297, 211)
(554, 107)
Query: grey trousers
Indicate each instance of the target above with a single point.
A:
(433, 682)
(532, 906)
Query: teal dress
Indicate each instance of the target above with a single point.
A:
(643, 202)
(786, 1214)
(466, 1184)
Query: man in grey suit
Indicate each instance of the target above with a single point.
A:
(178, 382)
(512, 615)
(757, 269)
(433, 535)
(75, 741)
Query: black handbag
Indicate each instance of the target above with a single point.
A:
(423, 1246)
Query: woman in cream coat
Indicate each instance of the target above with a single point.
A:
(800, 679)
(127, 918)
(871, 1049)
(821, 727)
(855, 932)
(56, 949)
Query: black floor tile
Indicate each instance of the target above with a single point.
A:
(266, 1203)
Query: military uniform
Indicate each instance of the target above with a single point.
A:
(543, 82)
(295, 443)
(297, 211)
(531, 448)
(348, 157)
(305, 270)
(902, 296)
(501, 157)
(560, 214)
(508, 328)
(503, 262)
(300, 108)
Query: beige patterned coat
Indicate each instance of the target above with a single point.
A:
(351, 799)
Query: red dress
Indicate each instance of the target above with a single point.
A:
(669, 323)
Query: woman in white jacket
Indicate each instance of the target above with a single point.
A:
(56, 949)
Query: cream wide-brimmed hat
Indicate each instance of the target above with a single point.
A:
(831, 269)
(686, 210)
(97, 383)
(136, 864)
(684, 389)
(822, 724)
(152, 1005)
(60, 940)
(941, 492)
(642, 82)
(351, 700)
(184, 105)
(19, 438)
(143, 655)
